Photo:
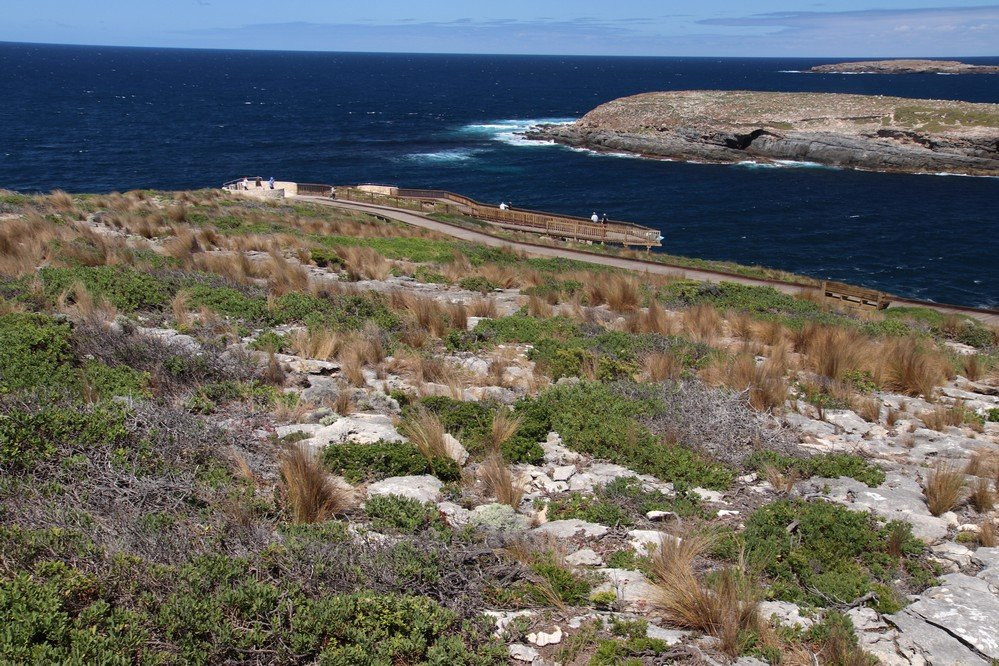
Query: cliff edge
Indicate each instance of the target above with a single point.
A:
(853, 131)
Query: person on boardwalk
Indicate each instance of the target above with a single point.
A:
(332, 193)
(246, 183)
(595, 217)
(503, 206)
(604, 218)
(258, 181)
(271, 182)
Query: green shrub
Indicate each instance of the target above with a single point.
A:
(30, 435)
(403, 514)
(824, 554)
(478, 283)
(993, 414)
(125, 288)
(593, 419)
(35, 352)
(622, 502)
(590, 509)
(270, 341)
(359, 462)
(469, 421)
(568, 586)
(120, 380)
(524, 328)
(827, 465)
(228, 302)
(326, 258)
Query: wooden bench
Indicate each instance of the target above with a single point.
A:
(855, 297)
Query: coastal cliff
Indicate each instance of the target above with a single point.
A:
(853, 131)
(904, 67)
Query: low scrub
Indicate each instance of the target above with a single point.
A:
(401, 514)
(368, 462)
(594, 419)
(826, 555)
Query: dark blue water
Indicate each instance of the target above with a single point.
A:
(93, 119)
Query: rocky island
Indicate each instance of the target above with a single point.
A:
(904, 67)
(855, 131)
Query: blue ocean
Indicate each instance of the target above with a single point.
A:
(97, 119)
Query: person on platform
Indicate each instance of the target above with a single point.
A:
(271, 182)
(503, 205)
(595, 217)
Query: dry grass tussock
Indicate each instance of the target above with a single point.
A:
(723, 606)
(321, 344)
(654, 319)
(912, 367)
(499, 482)
(537, 307)
(482, 307)
(944, 489)
(833, 351)
(285, 276)
(988, 536)
(79, 303)
(620, 292)
(504, 426)
(364, 263)
(764, 383)
(663, 366)
(940, 418)
(702, 323)
(868, 408)
(429, 315)
(311, 495)
(982, 497)
(426, 432)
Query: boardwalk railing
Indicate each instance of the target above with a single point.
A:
(449, 203)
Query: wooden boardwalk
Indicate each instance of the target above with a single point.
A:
(516, 219)
(417, 216)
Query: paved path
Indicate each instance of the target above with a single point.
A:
(990, 317)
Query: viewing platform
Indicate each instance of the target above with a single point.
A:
(448, 203)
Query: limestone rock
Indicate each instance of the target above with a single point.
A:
(521, 652)
(542, 639)
(358, 428)
(966, 608)
(453, 514)
(888, 644)
(454, 449)
(587, 557)
(423, 488)
(633, 589)
(567, 529)
(785, 613)
(498, 517)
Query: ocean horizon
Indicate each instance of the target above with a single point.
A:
(99, 119)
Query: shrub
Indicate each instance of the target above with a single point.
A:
(403, 514)
(326, 258)
(827, 465)
(126, 289)
(270, 341)
(360, 462)
(478, 283)
(228, 302)
(35, 352)
(825, 554)
(470, 422)
(109, 382)
(524, 328)
(29, 435)
(558, 583)
(594, 419)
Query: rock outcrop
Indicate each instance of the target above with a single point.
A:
(905, 67)
(852, 131)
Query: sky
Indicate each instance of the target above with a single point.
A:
(780, 28)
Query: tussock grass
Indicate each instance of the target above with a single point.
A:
(483, 307)
(868, 408)
(321, 344)
(504, 426)
(498, 481)
(724, 606)
(912, 368)
(426, 432)
(982, 497)
(944, 489)
(364, 263)
(702, 323)
(764, 383)
(311, 496)
(662, 366)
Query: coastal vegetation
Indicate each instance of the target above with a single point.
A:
(237, 431)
